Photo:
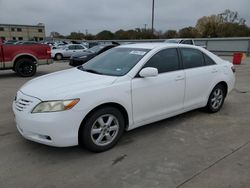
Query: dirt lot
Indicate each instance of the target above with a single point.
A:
(195, 149)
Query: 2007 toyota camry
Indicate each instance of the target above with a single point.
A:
(121, 89)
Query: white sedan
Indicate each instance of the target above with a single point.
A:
(121, 89)
(67, 51)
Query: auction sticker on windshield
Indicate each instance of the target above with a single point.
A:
(138, 53)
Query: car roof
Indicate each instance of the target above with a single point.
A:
(156, 45)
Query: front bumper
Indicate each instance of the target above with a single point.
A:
(58, 129)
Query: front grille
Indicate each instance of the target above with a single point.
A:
(21, 104)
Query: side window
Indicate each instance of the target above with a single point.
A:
(186, 42)
(79, 47)
(165, 61)
(71, 47)
(191, 58)
(208, 60)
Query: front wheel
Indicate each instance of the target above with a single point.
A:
(216, 99)
(102, 129)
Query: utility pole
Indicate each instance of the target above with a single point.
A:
(145, 27)
(153, 15)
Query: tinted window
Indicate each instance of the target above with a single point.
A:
(78, 47)
(115, 62)
(186, 42)
(165, 61)
(105, 49)
(208, 60)
(191, 58)
(72, 47)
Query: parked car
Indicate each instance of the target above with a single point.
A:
(180, 41)
(184, 41)
(24, 59)
(67, 51)
(26, 42)
(10, 42)
(82, 57)
(121, 89)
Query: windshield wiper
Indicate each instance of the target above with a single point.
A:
(88, 70)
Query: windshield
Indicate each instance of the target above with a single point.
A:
(115, 62)
(96, 49)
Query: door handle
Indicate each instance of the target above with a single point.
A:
(179, 78)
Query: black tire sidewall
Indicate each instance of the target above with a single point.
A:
(209, 106)
(25, 61)
(85, 134)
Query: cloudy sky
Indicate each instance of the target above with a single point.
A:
(65, 16)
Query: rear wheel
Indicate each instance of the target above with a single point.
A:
(216, 99)
(58, 56)
(25, 67)
(102, 129)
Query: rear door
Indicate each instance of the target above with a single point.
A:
(154, 97)
(69, 51)
(200, 75)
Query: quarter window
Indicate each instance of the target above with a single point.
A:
(165, 61)
(208, 60)
(192, 58)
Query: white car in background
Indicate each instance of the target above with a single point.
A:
(121, 89)
(67, 51)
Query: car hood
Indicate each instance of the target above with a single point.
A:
(65, 84)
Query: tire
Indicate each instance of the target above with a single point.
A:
(58, 57)
(102, 129)
(216, 99)
(25, 67)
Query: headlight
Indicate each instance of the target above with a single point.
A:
(55, 106)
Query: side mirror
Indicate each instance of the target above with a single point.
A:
(148, 72)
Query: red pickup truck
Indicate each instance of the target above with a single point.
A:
(23, 59)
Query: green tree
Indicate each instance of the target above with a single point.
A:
(170, 34)
(76, 36)
(209, 26)
(188, 32)
(105, 35)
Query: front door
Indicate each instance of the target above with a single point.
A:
(155, 97)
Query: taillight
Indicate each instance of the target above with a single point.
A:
(49, 51)
(233, 69)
